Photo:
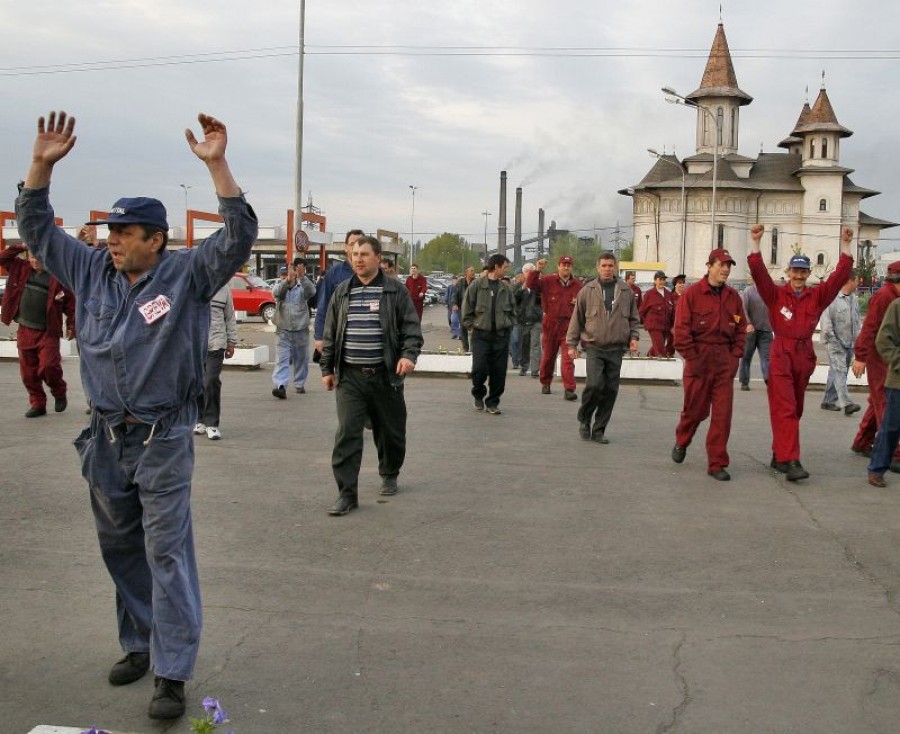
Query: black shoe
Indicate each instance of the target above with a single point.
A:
(545, 389)
(132, 667)
(780, 466)
(279, 392)
(493, 410)
(168, 699)
(60, 404)
(599, 437)
(35, 412)
(523, 372)
(343, 506)
(678, 453)
(851, 408)
(795, 472)
(720, 475)
(584, 430)
(388, 486)
(570, 395)
(478, 404)
(745, 387)
(829, 406)
(301, 391)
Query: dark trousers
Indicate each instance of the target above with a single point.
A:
(464, 337)
(209, 404)
(490, 351)
(359, 396)
(601, 388)
(888, 434)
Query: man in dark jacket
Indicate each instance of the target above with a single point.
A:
(37, 301)
(530, 315)
(461, 285)
(371, 341)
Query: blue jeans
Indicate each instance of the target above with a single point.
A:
(839, 361)
(141, 500)
(888, 433)
(756, 340)
(291, 349)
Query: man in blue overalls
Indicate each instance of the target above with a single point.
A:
(144, 318)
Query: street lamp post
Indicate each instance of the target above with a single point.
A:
(674, 98)
(412, 225)
(680, 167)
(185, 187)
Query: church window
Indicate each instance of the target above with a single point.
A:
(823, 205)
(824, 147)
(734, 127)
(774, 256)
(820, 258)
(721, 236)
(812, 148)
(720, 122)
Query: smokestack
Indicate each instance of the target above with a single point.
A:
(517, 236)
(501, 217)
(540, 249)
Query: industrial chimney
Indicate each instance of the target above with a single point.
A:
(540, 247)
(517, 235)
(501, 217)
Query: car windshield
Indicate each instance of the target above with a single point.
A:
(256, 281)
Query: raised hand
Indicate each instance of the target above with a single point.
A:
(55, 139)
(756, 232)
(215, 139)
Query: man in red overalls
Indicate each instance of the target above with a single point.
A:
(657, 312)
(417, 286)
(558, 292)
(794, 311)
(867, 360)
(709, 334)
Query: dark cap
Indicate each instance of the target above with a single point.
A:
(139, 210)
(680, 278)
(659, 274)
(799, 261)
(721, 255)
(566, 260)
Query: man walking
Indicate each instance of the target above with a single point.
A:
(461, 285)
(37, 302)
(489, 312)
(839, 328)
(794, 311)
(143, 321)
(220, 346)
(630, 278)
(417, 287)
(529, 314)
(605, 323)
(759, 336)
(558, 292)
(334, 276)
(372, 338)
(888, 344)
(291, 321)
(709, 334)
(657, 312)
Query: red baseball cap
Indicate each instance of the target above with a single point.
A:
(566, 260)
(894, 268)
(720, 254)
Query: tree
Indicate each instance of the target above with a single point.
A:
(584, 253)
(447, 253)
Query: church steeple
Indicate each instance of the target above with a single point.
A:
(820, 133)
(720, 94)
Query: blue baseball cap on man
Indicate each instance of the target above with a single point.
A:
(137, 210)
(799, 261)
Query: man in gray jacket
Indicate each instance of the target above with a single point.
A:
(292, 328)
(220, 346)
(605, 321)
(839, 328)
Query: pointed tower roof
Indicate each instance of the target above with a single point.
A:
(804, 118)
(719, 79)
(821, 118)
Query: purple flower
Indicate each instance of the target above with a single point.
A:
(219, 716)
(210, 704)
(93, 730)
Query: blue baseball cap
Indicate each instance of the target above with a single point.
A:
(137, 210)
(799, 261)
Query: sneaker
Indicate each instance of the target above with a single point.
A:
(301, 391)
(851, 408)
(132, 667)
(60, 404)
(168, 699)
(493, 410)
(478, 404)
(279, 392)
(745, 387)
(213, 433)
(200, 429)
(829, 406)
(545, 389)
(570, 395)
(388, 486)
(35, 412)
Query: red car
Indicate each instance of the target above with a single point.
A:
(251, 294)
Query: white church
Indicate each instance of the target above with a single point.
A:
(803, 196)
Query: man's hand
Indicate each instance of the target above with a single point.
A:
(756, 233)
(573, 352)
(749, 329)
(633, 345)
(328, 382)
(405, 366)
(858, 368)
(540, 265)
(846, 239)
(229, 351)
(215, 139)
(318, 344)
(88, 235)
(54, 140)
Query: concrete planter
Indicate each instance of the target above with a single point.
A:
(820, 377)
(454, 364)
(251, 358)
(639, 368)
(8, 349)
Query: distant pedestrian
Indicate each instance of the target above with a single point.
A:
(292, 294)
(417, 287)
(839, 328)
(461, 285)
(222, 340)
(387, 267)
(759, 336)
(452, 309)
(630, 278)
(679, 285)
(605, 324)
(657, 312)
(888, 344)
(372, 338)
(489, 313)
(530, 316)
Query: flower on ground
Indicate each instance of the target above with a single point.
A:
(215, 715)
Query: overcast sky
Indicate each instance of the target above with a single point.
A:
(571, 129)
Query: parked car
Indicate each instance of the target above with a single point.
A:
(251, 295)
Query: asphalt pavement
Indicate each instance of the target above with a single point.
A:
(522, 580)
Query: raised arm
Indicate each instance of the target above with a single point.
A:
(212, 152)
(55, 138)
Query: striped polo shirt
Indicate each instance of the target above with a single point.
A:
(363, 336)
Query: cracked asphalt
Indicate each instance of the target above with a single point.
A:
(521, 581)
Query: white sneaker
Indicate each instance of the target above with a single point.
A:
(200, 428)
(212, 433)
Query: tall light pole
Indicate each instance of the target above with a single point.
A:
(185, 187)
(412, 225)
(680, 167)
(485, 214)
(298, 171)
(674, 98)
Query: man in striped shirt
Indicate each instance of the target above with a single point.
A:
(371, 341)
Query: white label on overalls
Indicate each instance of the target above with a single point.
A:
(787, 313)
(373, 307)
(155, 309)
